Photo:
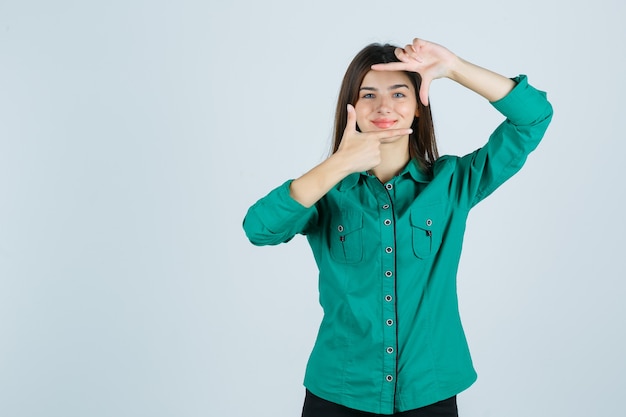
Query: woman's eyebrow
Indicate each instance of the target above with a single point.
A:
(393, 87)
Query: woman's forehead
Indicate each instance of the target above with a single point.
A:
(386, 78)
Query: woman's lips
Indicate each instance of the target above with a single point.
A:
(384, 123)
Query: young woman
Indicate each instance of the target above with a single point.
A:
(385, 217)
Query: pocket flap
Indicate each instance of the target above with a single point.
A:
(427, 223)
(349, 222)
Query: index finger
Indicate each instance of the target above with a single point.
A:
(390, 133)
(392, 66)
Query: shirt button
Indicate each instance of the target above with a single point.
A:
(388, 249)
(387, 222)
(389, 378)
(388, 298)
(340, 228)
(385, 206)
(389, 322)
(389, 186)
(388, 274)
(429, 222)
(389, 349)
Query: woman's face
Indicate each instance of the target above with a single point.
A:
(387, 100)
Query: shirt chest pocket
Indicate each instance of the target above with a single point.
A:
(427, 230)
(346, 237)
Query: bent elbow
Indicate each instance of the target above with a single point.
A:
(259, 235)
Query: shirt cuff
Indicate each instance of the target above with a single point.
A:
(524, 105)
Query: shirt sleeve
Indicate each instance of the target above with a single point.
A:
(277, 218)
(528, 114)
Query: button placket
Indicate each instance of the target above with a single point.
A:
(388, 290)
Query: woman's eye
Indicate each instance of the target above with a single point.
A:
(398, 95)
(368, 95)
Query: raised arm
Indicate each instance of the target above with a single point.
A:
(527, 111)
(433, 61)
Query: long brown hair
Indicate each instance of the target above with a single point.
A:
(422, 143)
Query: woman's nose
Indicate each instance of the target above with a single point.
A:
(384, 105)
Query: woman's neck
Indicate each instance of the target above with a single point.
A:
(393, 161)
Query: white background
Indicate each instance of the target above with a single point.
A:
(134, 135)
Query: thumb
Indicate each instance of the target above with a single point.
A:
(424, 90)
(351, 123)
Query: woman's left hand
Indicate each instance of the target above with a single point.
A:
(429, 59)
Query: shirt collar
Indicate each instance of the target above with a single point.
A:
(350, 181)
(411, 169)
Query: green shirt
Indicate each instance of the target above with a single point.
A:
(391, 338)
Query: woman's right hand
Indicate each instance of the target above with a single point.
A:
(360, 151)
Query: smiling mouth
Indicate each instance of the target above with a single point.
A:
(384, 124)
